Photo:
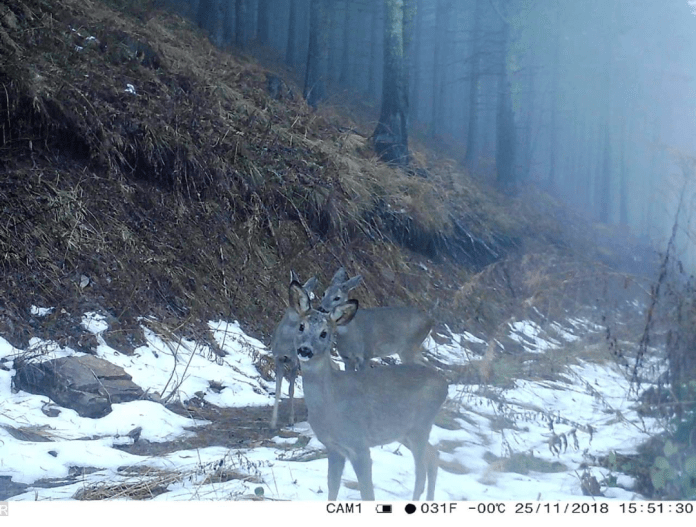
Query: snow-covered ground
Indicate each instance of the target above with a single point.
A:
(591, 412)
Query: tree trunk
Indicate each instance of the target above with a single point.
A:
(603, 182)
(344, 75)
(415, 77)
(506, 137)
(472, 143)
(291, 49)
(372, 68)
(442, 8)
(331, 41)
(391, 134)
(263, 24)
(228, 29)
(528, 133)
(409, 19)
(553, 126)
(623, 190)
(317, 55)
(209, 18)
(241, 19)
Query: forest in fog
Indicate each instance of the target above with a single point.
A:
(506, 188)
(591, 100)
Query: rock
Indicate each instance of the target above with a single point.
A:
(50, 410)
(135, 433)
(9, 488)
(86, 384)
(25, 434)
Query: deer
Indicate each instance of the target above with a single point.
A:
(375, 332)
(351, 411)
(284, 355)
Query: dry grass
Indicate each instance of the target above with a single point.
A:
(146, 485)
(189, 199)
(142, 482)
(193, 197)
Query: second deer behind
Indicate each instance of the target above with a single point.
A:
(375, 332)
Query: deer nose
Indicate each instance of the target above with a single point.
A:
(305, 353)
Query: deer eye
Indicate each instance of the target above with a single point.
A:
(301, 327)
(323, 334)
(337, 298)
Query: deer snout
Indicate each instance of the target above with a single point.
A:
(304, 353)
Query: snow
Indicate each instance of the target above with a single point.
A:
(590, 408)
(41, 311)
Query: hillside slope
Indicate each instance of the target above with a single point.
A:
(146, 172)
(164, 187)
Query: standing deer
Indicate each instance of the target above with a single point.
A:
(351, 411)
(284, 354)
(375, 332)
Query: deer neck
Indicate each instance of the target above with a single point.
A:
(317, 387)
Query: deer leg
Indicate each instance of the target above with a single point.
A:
(291, 391)
(427, 461)
(336, 464)
(350, 362)
(414, 355)
(279, 385)
(419, 358)
(362, 465)
(418, 450)
(433, 462)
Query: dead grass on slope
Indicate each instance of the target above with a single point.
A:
(145, 172)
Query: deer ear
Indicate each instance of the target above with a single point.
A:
(310, 284)
(299, 299)
(344, 313)
(352, 283)
(340, 276)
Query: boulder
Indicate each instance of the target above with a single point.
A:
(89, 385)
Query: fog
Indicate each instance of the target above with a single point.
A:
(593, 101)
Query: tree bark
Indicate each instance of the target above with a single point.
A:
(603, 185)
(553, 127)
(241, 19)
(506, 136)
(472, 143)
(442, 14)
(263, 24)
(318, 54)
(291, 49)
(344, 76)
(415, 61)
(372, 68)
(623, 190)
(391, 134)
(209, 19)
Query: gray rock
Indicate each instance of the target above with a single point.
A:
(87, 384)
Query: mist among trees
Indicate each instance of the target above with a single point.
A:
(592, 101)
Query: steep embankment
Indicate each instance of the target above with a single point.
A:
(144, 171)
